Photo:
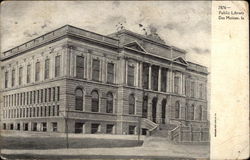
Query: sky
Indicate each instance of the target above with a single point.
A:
(186, 25)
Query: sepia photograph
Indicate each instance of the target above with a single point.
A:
(105, 80)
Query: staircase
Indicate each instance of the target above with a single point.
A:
(148, 124)
(164, 130)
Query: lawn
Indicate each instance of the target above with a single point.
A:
(60, 142)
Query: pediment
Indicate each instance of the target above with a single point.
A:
(135, 46)
(180, 60)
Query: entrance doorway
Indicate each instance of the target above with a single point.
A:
(163, 111)
(154, 106)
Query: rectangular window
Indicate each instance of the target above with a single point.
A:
(18, 126)
(41, 96)
(163, 80)
(79, 127)
(80, 67)
(109, 129)
(110, 72)
(37, 74)
(38, 96)
(20, 76)
(49, 110)
(131, 74)
(95, 128)
(131, 130)
(54, 94)
(58, 93)
(37, 111)
(41, 112)
(57, 66)
(27, 100)
(54, 126)
(34, 126)
(176, 84)
(53, 111)
(26, 126)
(28, 73)
(95, 69)
(44, 126)
(57, 110)
(155, 74)
(6, 79)
(46, 70)
(192, 89)
(13, 77)
(45, 111)
(145, 77)
(49, 94)
(45, 96)
(31, 97)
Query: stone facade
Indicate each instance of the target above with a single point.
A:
(150, 83)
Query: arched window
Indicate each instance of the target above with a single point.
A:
(95, 101)
(79, 99)
(177, 109)
(191, 112)
(131, 104)
(109, 108)
(199, 112)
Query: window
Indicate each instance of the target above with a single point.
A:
(49, 110)
(79, 127)
(53, 111)
(18, 126)
(109, 108)
(131, 104)
(155, 73)
(37, 74)
(95, 69)
(131, 74)
(4, 126)
(49, 94)
(95, 101)
(192, 89)
(199, 113)
(163, 79)
(44, 126)
(131, 130)
(145, 76)
(80, 67)
(46, 70)
(45, 111)
(57, 66)
(176, 84)
(79, 99)
(13, 77)
(38, 96)
(54, 94)
(177, 109)
(20, 76)
(28, 73)
(191, 112)
(6, 79)
(45, 96)
(41, 96)
(95, 128)
(26, 126)
(57, 110)
(109, 129)
(110, 72)
(200, 91)
(54, 126)
(34, 126)
(58, 93)
(37, 111)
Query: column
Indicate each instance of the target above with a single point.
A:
(159, 79)
(126, 71)
(149, 76)
(149, 116)
(141, 74)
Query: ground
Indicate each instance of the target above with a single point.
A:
(86, 147)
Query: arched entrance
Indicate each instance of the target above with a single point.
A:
(154, 106)
(163, 110)
(145, 107)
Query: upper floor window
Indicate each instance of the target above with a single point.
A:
(200, 91)
(37, 74)
(80, 67)
(57, 66)
(192, 89)
(28, 73)
(163, 80)
(20, 78)
(191, 112)
(109, 108)
(145, 77)
(155, 73)
(176, 84)
(199, 112)
(46, 70)
(13, 77)
(94, 101)
(131, 104)
(110, 73)
(6, 79)
(95, 69)
(79, 99)
(131, 74)
(177, 109)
